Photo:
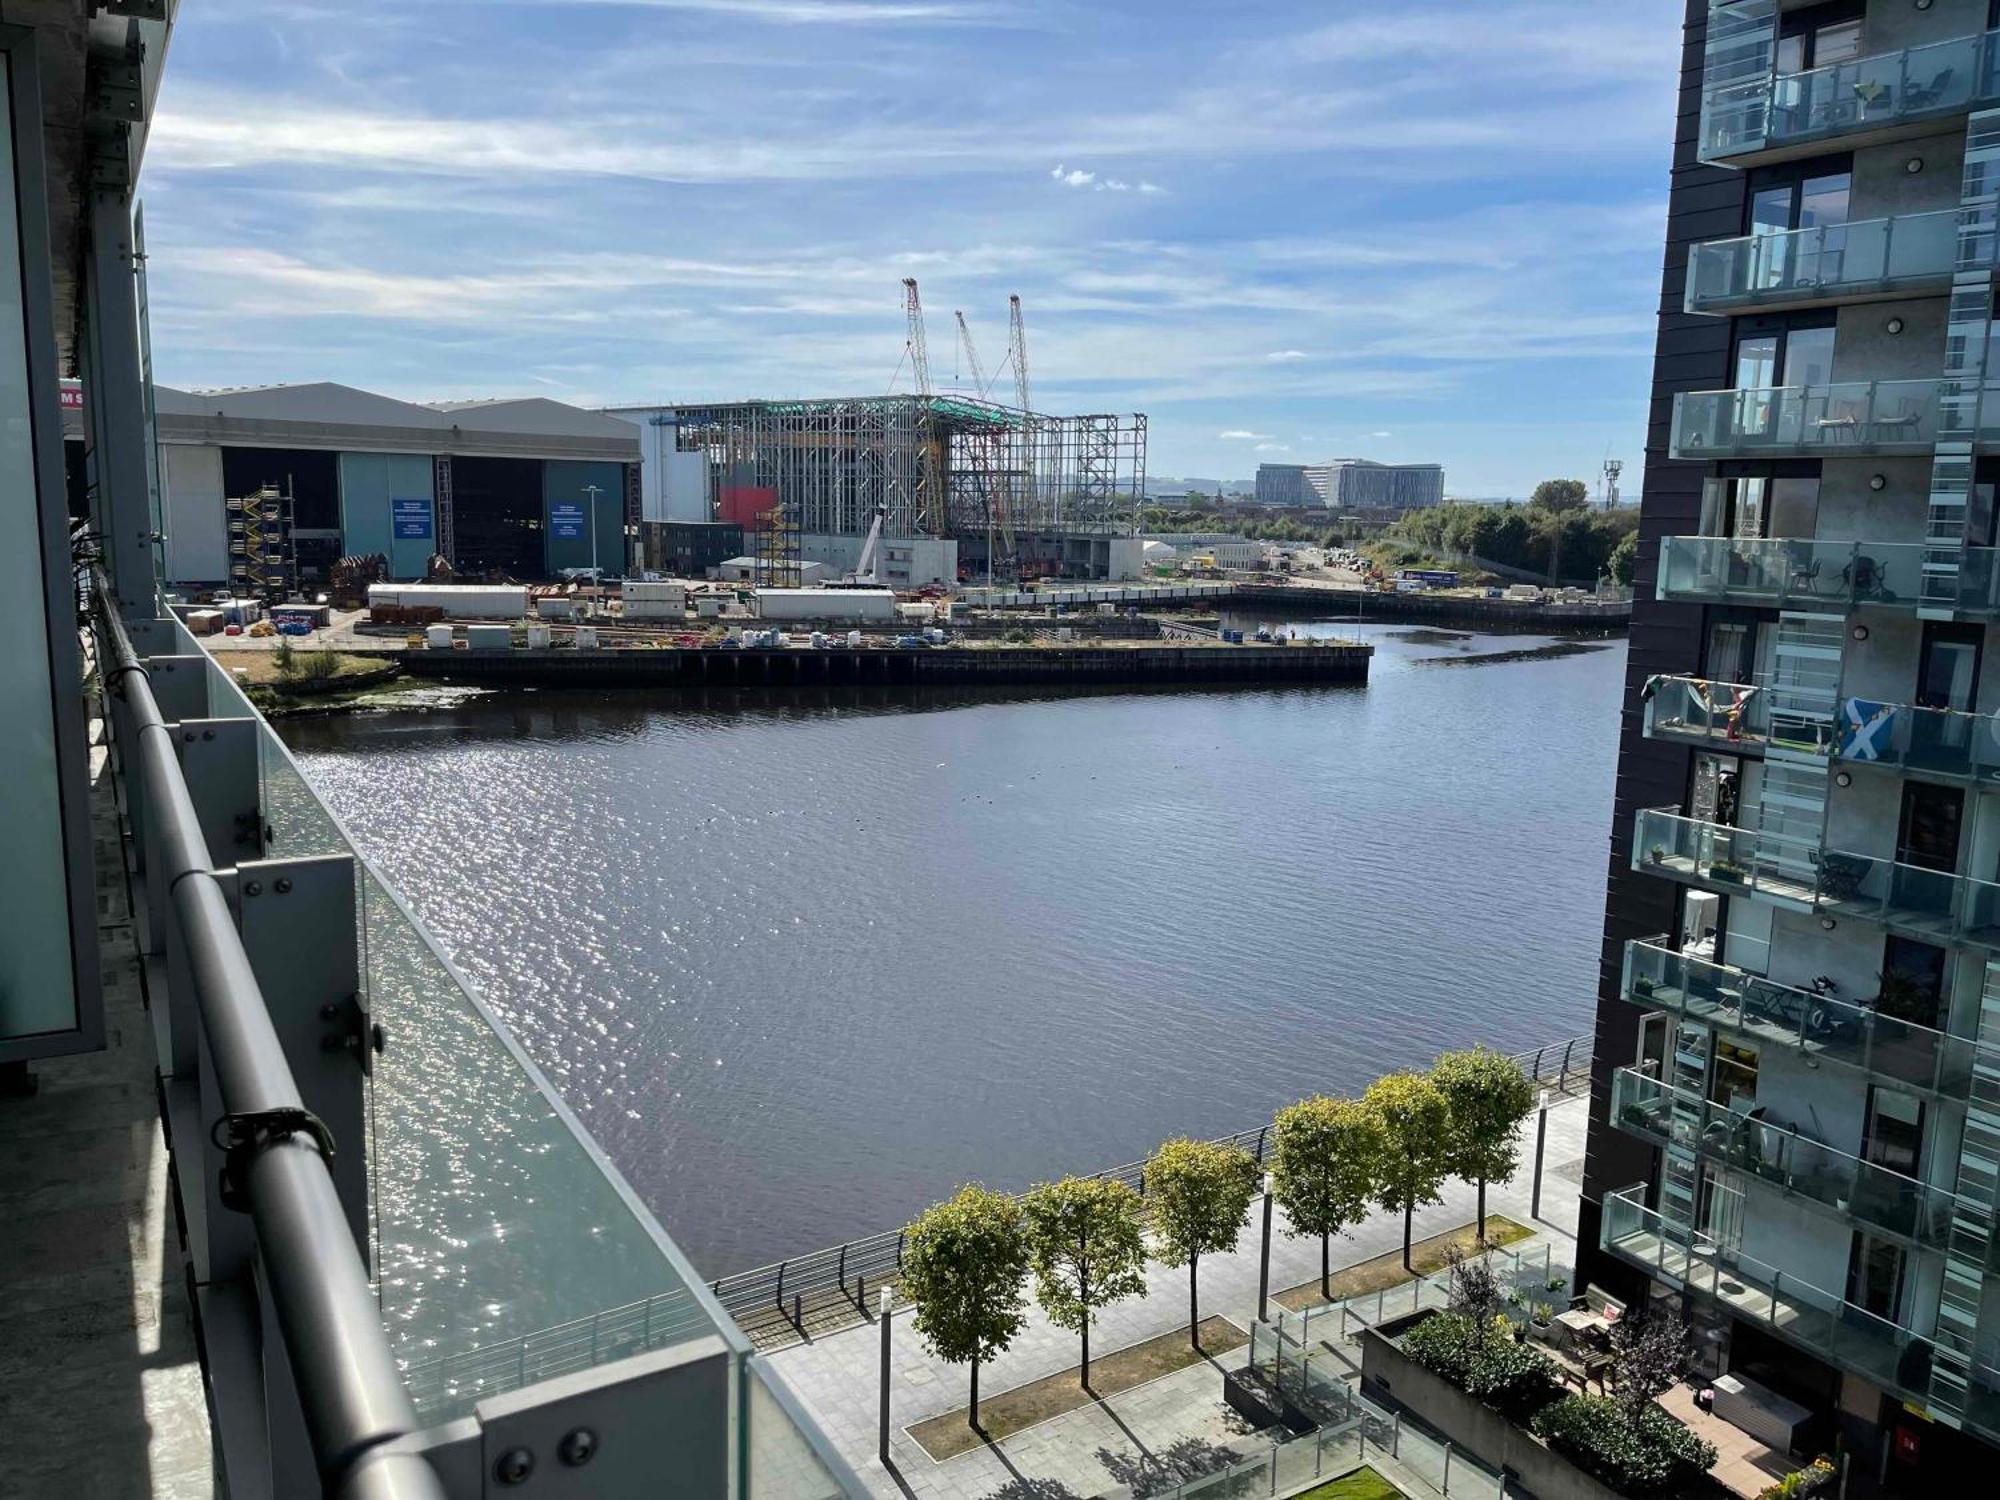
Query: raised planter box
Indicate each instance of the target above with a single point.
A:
(1387, 1372)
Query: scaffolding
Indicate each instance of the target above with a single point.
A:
(263, 560)
(944, 465)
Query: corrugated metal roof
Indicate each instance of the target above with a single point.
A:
(533, 414)
(320, 401)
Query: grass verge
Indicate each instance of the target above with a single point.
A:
(1387, 1270)
(1004, 1415)
(1363, 1484)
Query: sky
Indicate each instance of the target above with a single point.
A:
(1420, 232)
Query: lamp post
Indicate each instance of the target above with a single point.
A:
(882, 1438)
(1541, 1141)
(1264, 1259)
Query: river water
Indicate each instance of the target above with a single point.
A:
(804, 961)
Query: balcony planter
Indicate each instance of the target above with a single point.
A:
(1657, 854)
(1643, 987)
(1726, 873)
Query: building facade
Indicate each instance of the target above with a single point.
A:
(1284, 484)
(1795, 1132)
(1360, 484)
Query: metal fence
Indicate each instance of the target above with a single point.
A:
(827, 1290)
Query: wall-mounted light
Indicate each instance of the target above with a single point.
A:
(1843, 778)
(1923, 4)
(1914, 165)
(1893, 327)
(1828, 923)
(1860, 632)
(1878, 481)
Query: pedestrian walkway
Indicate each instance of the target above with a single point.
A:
(1083, 1453)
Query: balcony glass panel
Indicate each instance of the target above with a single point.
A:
(1823, 1322)
(1794, 572)
(1890, 88)
(1822, 1027)
(505, 1243)
(1855, 416)
(1740, 715)
(1782, 1156)
(1932, 904)
(1829, 260)
(1935, 741)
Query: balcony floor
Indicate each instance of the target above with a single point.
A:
(99, 1374)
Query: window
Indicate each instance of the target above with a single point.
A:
(1875, 1275)
(1912, 981)
(1808, 357)
(1760, 506)
(1729, 656)
(1929, 835)
(1838, 43)
(1948, 666)
(1735, 1075)
(1894, 1133)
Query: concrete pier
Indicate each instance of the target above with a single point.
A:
(976, 666)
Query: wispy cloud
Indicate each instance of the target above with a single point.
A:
(1241, 435)
(1283, 356)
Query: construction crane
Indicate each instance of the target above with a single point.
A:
(1017, 351)
(864, 574)
(920, 355)
(971, 355)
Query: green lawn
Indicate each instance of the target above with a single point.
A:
(1362, 1484)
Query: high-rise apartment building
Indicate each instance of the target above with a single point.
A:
(1796, 1119)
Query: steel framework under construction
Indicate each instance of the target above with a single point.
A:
(939, 465)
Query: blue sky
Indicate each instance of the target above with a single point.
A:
(1424, 231)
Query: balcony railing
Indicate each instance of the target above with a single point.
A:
(1882, 93)
(1822, 1322)
(1847, 417)
(1821, 1028)
(1827, 263)
(506, 1248)
(1740, 716)
(1798, 874)
(1763, 1151)
(1938, 742)
(1799, 573)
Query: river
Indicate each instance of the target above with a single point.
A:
(805, 961)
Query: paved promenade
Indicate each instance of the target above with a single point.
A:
(1176, 1424)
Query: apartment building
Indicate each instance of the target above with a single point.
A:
(1796, 1118)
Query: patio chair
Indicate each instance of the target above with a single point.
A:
(1924, 95)
(1842, 422)
(1840, 875)
(1904, 426)
(1864, 577)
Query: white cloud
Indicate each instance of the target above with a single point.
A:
(1274, 448)
(808, 12)
(1076, 179)
(1284, 356)
(1381, 434)
(1241, 435)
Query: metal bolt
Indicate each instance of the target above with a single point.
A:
(187, 736)
(514, 1466)
(578, 1447)
(253, 887)
(284, 885)
(208, 734)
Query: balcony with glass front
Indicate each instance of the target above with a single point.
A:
(1816, 1319)
(1816, 1027)
(1826, 576)
(1940, 744)
(1738, 717)
(1782, 1158)
(1798, 875)
(1824, 265)
(1847, 418)
(1887, 96)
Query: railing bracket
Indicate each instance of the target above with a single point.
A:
(244, 1136)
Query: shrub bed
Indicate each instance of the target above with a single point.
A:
(1484, 1360)
(1658, 1457)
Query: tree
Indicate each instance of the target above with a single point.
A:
(963, 1263)
(1416, 1125)
(1624, 560)
(1473, 1290)
(1324, 1164)
(1648, 1354)
(1560, 495)
(1199, 1193)
(1086, 1248)
(1489, 1097)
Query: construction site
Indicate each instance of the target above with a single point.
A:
(966, 488)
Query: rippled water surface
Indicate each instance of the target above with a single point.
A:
(804, 961)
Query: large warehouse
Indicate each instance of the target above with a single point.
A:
(520, 488)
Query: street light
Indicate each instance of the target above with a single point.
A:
(593, 491)
(1264, 1260)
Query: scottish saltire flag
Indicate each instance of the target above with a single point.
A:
(1864, 729)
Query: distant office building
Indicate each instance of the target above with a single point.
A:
(1357, 484)
(1285, 484)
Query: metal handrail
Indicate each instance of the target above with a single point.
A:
(349, 1390)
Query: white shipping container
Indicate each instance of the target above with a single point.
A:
(858, 605)
(556, 607)
(586, 637)
(655, 609)
(437, 637)
(539, 636)
(674, 594)
(459, 601)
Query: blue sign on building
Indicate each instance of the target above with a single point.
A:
(565, 519)
(411, 519)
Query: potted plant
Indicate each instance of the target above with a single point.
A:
(1657, 854)
(1727, 871)
(1541, 1320)
(1643, 987)
(1558, 1285)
